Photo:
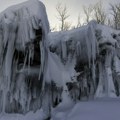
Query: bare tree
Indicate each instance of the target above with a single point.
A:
(116, 15)
(99, 13)
(109, 22)
(95, 12)
(88, 13)
(62, 16)
(53, 28)
(78, 21)
(67, 25)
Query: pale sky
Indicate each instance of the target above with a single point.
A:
(74, 7)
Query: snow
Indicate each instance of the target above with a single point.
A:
(98, 109)
(28, 16)
(106, 34)
(34, 7)
(38, 115)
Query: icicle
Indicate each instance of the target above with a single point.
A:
(64, 50)
(106, 86)
(7, 67)
(31, 30)
(42, 60)
(92, 42)
(88, 45)
(117, 71)
(30, 56)
(18, 27)
(26, 31)
(1, 46)
(110, 88)
(100, 87)
(34, 21)
(94, 74)
(117, 64)
(25, 62)
(6, 34)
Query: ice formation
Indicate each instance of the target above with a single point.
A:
(89, 54)
(39, 68)
(23, 30)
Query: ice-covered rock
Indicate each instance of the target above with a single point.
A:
(90, 49)
(23, 30)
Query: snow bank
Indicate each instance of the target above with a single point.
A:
(103, 109)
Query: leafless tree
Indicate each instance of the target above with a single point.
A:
(99, 13)
(62, 16)
(109, 22)
(116, 15)
(95, 12)
(53, 28)
(78, 21)
(67, 25)
(88, 13)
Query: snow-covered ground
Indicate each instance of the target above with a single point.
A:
(100, 109)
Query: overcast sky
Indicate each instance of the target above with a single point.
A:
(74, 7)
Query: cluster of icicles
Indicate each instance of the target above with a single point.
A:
(18, 91)
(90, 57)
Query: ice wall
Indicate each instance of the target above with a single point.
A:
(77, 50)
(23, 30)
(90, 58)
